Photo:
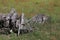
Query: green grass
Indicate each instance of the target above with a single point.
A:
(50, 31)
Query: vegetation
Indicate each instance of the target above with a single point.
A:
(49, 31)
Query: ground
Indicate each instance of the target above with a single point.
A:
(50, 31)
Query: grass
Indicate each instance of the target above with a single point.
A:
(50, 31)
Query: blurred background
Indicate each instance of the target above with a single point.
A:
(50, 31)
